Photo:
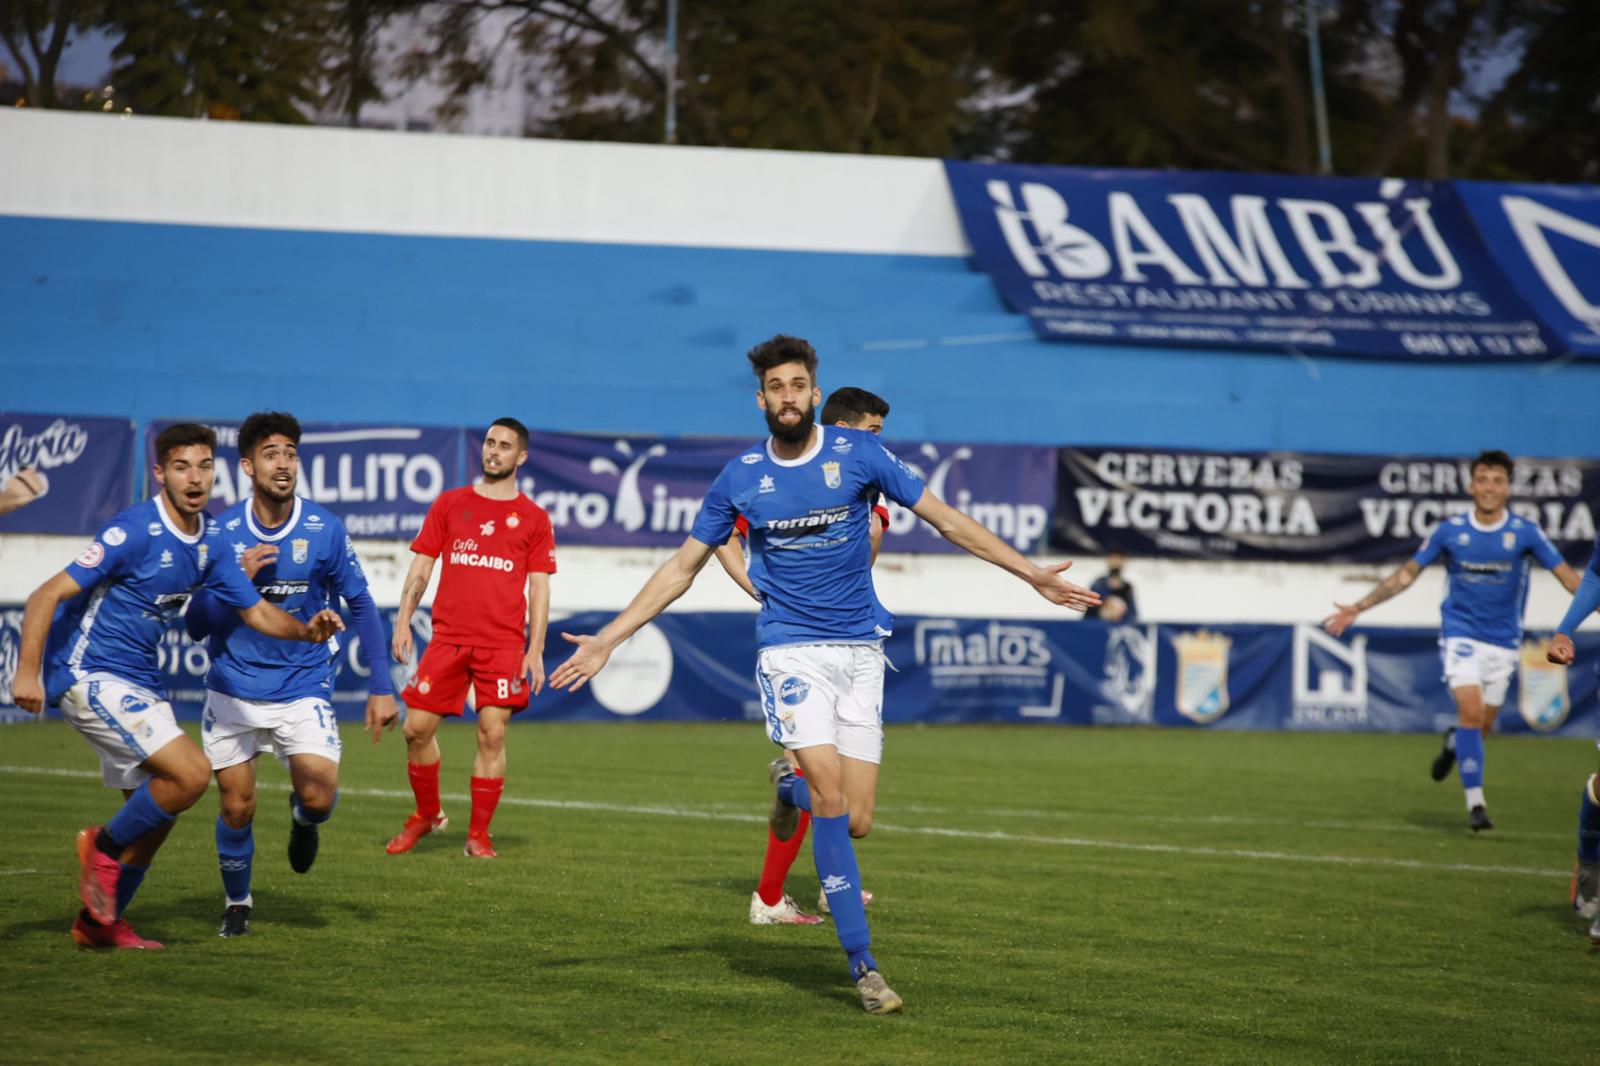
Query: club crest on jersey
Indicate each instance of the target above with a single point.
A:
(300, 548)
(1202, 675)
(487, 529)
(1508, 540)
(1543, 701)
(512, 521)
(201, 552)
(830, 475)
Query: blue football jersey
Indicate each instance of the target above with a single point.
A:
(1488, 574)
(810, 548)
(137, 575)
(316, 564)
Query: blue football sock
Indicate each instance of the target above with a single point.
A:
(1588, 828)
(236, 850)
(140, 814)
(841, 881)
(306, 816)
(128, 882)
(794, 791)
(1469, 756)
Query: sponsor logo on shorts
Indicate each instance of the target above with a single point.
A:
(794, 691)
(90, 557)
(115, 535)
(132, 704)
(424, 686)
(1462, 650)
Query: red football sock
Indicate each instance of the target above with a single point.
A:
(425, 786)
(780, 857)
(485, 797)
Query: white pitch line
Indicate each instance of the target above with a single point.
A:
(14, 873)
(959, 834)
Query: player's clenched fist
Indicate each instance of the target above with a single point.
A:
(28, 693)
(1561, 650)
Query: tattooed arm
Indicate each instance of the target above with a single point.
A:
(1388, 588)
(417, 579)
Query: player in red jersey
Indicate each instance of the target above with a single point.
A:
(489, 620)
(851, 408)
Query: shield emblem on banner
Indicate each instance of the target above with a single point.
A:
(830, 474)
(299, 549)
(1543, 701)
(1202, 694)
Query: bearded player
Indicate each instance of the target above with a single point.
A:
(489, 620)
(846, 408)
(807, 494)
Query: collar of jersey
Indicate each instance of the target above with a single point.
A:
(250, 521)
(1472, 517)
(810, 453)
(166, 520)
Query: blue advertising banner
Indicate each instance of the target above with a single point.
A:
(1296, 505)
(63, 473)
(379, 480)
(1379, 267)
(1547, 239)
(700, 667)
(646, 491)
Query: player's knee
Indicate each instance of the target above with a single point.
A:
(238, 808)
(416, 733)
(491, 736)
(316, 796)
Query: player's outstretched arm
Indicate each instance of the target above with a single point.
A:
(1391, 586)
(263, 617)
(731, 556)
(665, 585)
(968, 535)
(416, 583)
(27, 688)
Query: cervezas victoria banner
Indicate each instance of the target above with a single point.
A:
(1296, 506)
(1352, 266)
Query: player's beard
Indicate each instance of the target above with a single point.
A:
(490, 475)
(269, 491)
(798, 433)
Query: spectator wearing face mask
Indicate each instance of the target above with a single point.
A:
(1116, 591)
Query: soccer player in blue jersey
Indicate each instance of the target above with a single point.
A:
(849, 408)
(1486, 553)
(269, 695)
(807, 493)
(1586, 876)
(102, 649)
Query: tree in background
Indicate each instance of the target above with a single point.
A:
(36, 33)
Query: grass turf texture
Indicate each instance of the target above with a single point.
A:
(1216, 926)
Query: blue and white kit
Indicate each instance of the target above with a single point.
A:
(103, 654)
(821, 627)
(1487, 569)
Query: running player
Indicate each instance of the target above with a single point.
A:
(489, 620)
(263, 694)
(104, 667)
(1586, 876)
(1486, 554)
(850, 408)
(807, 493)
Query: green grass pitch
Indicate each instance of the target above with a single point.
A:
(1044, 895)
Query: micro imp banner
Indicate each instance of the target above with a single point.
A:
(1352, 266)
(1294, 505)
(379, 480)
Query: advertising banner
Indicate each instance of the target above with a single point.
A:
(1547, 240)
(1296, 506)
(79, 472)
(1353, 266)
(379, 480)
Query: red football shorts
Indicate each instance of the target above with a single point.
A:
(442, 677)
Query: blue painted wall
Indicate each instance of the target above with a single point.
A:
(153, 321)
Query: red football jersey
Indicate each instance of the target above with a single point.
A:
(488, 548)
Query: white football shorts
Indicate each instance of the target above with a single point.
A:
(236, 730)
(1472, 662)
(824, 694)
(124, 723)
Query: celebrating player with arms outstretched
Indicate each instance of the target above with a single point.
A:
(807, 494)
(846, 408)
(104, 667)
(489, 620)
(1486, 553)
(1586, 878)
(267, 695)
